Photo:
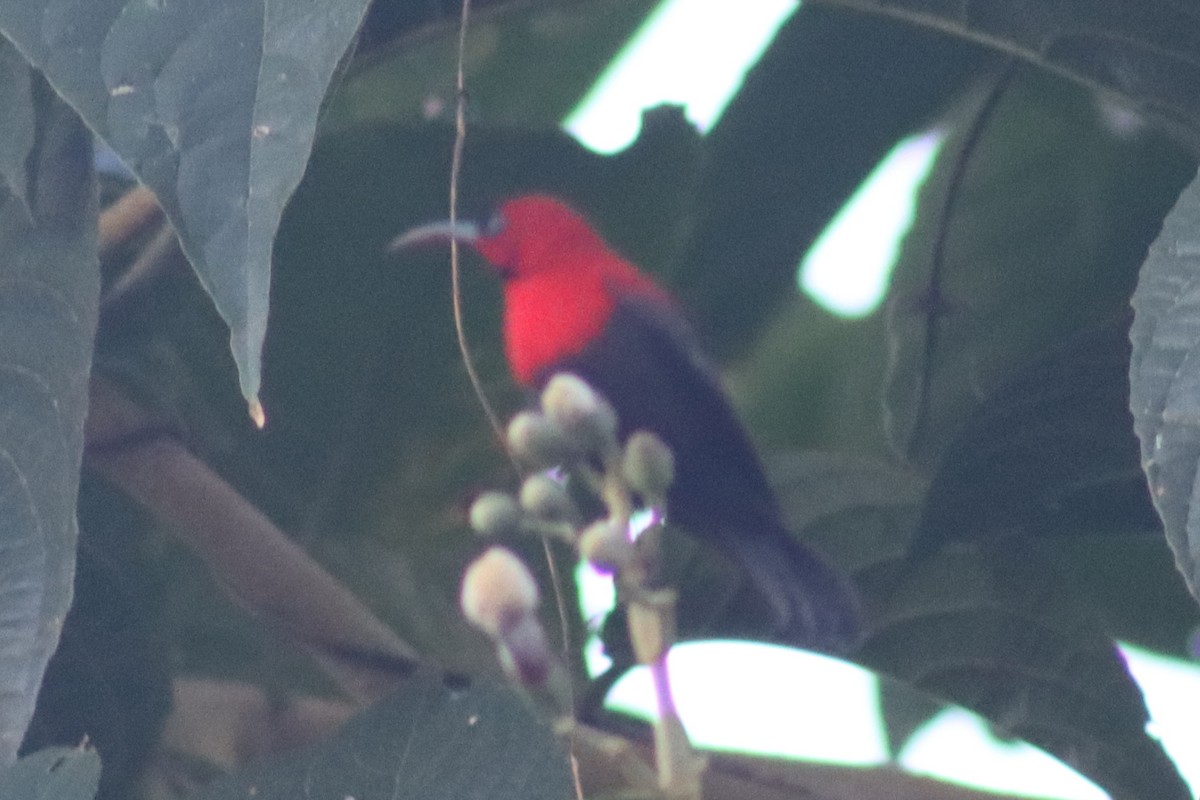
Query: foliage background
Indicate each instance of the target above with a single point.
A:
(968, 453)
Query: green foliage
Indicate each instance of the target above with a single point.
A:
(213, 106)
(430, 739)
(56, 773)
(1021, 270)
(49, 288)
(1163, 378)
(992, 509)
(1146, 59)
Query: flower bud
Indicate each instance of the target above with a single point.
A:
(544, 497)
(606, 546)
(538, 442)
(648, 465)
(500, 597)
(586, 418)
(525, 653)
(498, 592)
(495, 514)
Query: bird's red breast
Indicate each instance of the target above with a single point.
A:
(561, 282)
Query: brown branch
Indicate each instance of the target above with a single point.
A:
(611, 764)
(137, 210)
(257, 563)
(153, 259)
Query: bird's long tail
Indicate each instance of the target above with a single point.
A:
(814, 604)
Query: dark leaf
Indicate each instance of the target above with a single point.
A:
(16, 123)
(846, 502)
(1164, 377)
(859, 511)
(213, 105)
(56, 773)
(429, 741)
(109, 682)
(1052, 215)
(1131, 581)
(992, 626)
(1050, 453)
(49, 287)
(508, 47)
(997, 630)
(1144, 56)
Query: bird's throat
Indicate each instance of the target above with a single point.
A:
(550, 317)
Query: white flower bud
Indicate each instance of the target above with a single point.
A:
(500, 597)
(606, 546)
(586, 418)
(498, 592)
(539, 443)
(495, 514)
(545, 497)
(648, 465)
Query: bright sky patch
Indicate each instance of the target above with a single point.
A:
(957, 746)
(1171, 688)
(771, 700)
(691, 52)
(848, 268)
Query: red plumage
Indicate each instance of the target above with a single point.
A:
(561, 282)
(573, 305)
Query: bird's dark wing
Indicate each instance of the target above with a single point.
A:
(649, 367)
(647, 364)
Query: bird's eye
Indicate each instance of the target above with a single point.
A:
(495, 225)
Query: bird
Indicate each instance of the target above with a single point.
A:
(573, 304)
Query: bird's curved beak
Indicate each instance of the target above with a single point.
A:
(436, 233)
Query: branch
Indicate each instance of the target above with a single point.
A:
(135, 211)
(260, 567)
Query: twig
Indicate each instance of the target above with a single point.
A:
(934, 302)
(153, 257)
(135, 211)
(460, 137)
(256, 562)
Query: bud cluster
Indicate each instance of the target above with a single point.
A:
(571, 440)
(575, 434)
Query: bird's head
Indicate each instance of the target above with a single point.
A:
(525, 235)
(561, 282)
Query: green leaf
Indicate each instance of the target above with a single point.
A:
(1050, 453)
(1053, 213)
(1164, 378)
(213, 105)
(428, 740)
(508, 48)
(859, 510)
(56, 773)
(49, 290)
(16, 123)
(109, 682)
(997, 629)
(1147, 59)
(1131, 581)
